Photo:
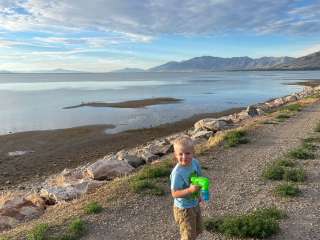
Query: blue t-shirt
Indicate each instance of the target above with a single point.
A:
(180, 179)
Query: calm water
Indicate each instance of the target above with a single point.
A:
(35, 101)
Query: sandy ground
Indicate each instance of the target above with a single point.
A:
(52, 151)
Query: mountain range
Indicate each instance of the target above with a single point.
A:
(208, 63)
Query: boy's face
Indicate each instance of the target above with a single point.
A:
(183, 154)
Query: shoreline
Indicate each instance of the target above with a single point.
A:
(50, 151)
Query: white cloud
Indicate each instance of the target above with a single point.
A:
(139, 20)
(308, 50)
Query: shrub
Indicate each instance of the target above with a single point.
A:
(38, 233)
(302, 152)
(139, 186)
(292, 108)
(236, 137)
(285, 163)
(295, 175)
(259, 224)
(287, 190)
(93, 208)
(273, 172)
(282, 117)
(155, 171)
(312, 140)
(76, 228)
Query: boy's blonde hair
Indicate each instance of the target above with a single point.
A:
(183, 141)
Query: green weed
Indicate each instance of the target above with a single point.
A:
(235, 138)
(93, 208)
(287, 190)
(259, 224)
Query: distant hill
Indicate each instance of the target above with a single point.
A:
(128, 70)
(309, 62)
(60, 70)
(208, 63)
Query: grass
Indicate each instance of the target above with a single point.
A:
(259, 224)
(296, 107)
(287, 190)
(273, 172)
(93, 208)
(38, 232)
(294, 175)
(303, 152)
(283, 170)
(282, 117)
(145, 186)
(236, 137)
(312, 140)
(162, 169)
(77, 228)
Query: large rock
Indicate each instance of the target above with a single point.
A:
(132, 159)
(108, 168)
(202, 134)
(211, 124)
(16, 210)
(290, 98)
(159, 147)
(147, 156)
(68, 192)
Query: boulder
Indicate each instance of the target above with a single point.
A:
(290, 98)
(69, 192)
(108, 168)
(16, 210)
(147, 156)
(159, 147)
(252, 111)
(133, 160)
(7, 222)
(211, 124)
(202, 134)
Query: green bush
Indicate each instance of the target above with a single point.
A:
(312, 140)
(76, 228)
(273, 172)
(235, 138)
(93, 208)
(287, 190)
(259, 224)
(155, 171)
(147, 186)
(294, 175)
(38, 233)
(285, 163)
(302, 152)
(292, 108)
(282, 117)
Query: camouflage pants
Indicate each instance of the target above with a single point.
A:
(189, 221)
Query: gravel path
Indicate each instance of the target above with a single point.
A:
(237, 188)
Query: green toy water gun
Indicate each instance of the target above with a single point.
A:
(204, 184)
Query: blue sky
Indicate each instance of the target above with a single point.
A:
(104, 35)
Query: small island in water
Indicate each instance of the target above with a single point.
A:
(129, 104)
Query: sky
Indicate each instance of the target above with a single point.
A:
(105, 35)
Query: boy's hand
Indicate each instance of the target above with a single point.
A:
(193, 188)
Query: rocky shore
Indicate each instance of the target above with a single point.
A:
(23, 205)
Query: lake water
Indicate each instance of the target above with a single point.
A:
(36, 101)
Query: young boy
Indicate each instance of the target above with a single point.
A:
(186, 207)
